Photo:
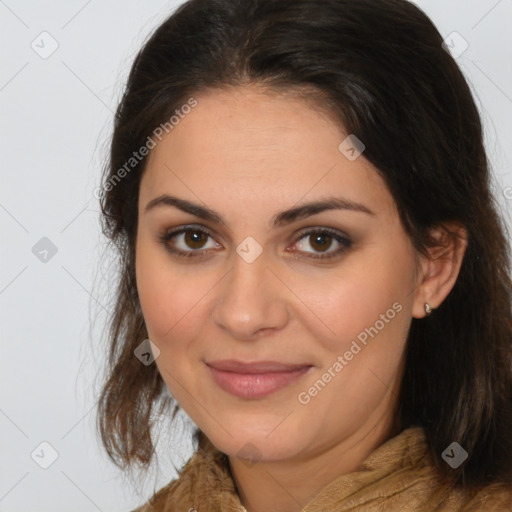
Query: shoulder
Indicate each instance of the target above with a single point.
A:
(495, 497)
(159, 502)
(205, 479)
(179, 492)
(404, 470)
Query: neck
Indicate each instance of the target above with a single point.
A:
(289, 485)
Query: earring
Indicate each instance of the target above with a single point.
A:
(428, 308)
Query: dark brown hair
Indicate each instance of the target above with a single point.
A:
(380, 68)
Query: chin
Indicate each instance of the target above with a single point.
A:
(256, 444)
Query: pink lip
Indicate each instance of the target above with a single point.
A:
(257, 379)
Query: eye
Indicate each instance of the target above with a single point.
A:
(191, 241)
(188, 241)
(320, 241)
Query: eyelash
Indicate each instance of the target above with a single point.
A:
(342, 240)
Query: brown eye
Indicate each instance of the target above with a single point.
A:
(195, 239)
(320, 241)
(189, 242)
(322, 244)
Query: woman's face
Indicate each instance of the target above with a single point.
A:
(320, 297)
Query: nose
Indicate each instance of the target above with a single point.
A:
(251, 301)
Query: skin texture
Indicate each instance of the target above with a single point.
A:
(248, 154)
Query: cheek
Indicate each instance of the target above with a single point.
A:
(167, 298)
(362, 314)
(360, 298)
(173, 298)
(361, 357)
(173, 313)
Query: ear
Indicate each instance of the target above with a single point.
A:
(438, 272)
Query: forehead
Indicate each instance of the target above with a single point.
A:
(244, 143)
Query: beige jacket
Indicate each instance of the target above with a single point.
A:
(399, 476)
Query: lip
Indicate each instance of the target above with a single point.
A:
(255, 379)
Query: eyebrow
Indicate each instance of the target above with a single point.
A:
(281, 219)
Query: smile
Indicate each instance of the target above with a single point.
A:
(255, 380)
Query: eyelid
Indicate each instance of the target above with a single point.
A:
(320, 229)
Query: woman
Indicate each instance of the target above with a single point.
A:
(311, 264)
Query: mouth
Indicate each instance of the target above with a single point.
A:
(254, 380)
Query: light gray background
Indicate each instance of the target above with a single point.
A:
(56, 117)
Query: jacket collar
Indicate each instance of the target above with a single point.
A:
(206, 482)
